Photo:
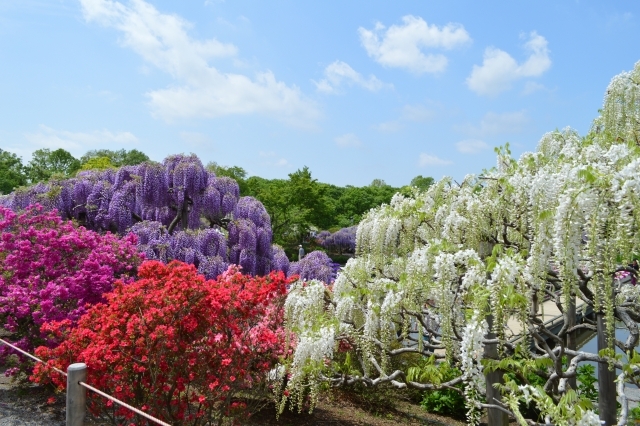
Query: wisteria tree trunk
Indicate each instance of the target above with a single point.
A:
(495, 416)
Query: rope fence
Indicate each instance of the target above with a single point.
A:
(76, 394)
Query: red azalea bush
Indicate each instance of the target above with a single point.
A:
(187, 350)
(49, 270)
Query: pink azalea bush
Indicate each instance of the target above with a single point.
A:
(51, 270)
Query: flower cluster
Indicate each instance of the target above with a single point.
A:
(341, 241)
(50, 270)
(561, 219)
(471, 352)
(315, 266)
(187, 350)
(158, 202)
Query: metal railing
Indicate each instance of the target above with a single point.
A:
(76, 392)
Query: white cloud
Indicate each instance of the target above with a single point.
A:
(471, 146)
(200, 90)
(402, 45)
(348, 140)
(497, 124)
(196, 139)
(338, 72)
(77, 143)
(499, 70)
(271, 159)
(432, 160)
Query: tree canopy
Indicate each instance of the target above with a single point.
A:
(12, 172)
(46, 163)
(117, 158)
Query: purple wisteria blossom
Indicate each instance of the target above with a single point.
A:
(315, 266)
(341, 241)
(177, 208)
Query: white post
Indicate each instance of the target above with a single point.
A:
(76, 394)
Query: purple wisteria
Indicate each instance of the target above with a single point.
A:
(341, 241)
(315, 266)
(280, 261)
(177, 208)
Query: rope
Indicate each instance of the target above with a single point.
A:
(30, 356)
(117, 401)
(91, 388)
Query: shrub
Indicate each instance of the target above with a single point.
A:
(50, 270)
(187, 350)
(447, 401)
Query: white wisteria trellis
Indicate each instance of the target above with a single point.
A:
(433, 270)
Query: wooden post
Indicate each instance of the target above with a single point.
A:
(76, 394)
(606, 378)
(496, 417)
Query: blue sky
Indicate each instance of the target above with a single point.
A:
(355, 90)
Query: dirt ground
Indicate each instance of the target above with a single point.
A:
(29, 404)
(339, 412)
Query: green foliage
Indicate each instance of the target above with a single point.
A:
(118, 158)
(46, 163)
(421, 182)
(288, 220)
(97, 163)
(442, 401)
(301, 203)
(519, 368)
(586, 375)
(445, 401)
(634, 415)
(353, 202)
(12, 172)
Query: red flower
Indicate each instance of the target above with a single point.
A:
(173, 338)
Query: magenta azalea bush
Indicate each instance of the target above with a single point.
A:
(50, 270)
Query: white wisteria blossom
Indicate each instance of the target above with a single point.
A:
(464, 272)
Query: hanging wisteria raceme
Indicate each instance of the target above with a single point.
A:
(558, 223)
(279, 260)
(341, 241)
(315, 266)
(250, 237)
(178, 209)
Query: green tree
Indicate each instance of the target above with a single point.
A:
(421, 182)
(286, 218)
(356, 201)
(308, 195)
(117, 158)
(301, 203)
(12, 172)
(45, 163)
(97, 163)
(377, 183)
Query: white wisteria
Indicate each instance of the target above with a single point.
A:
(432, 269)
